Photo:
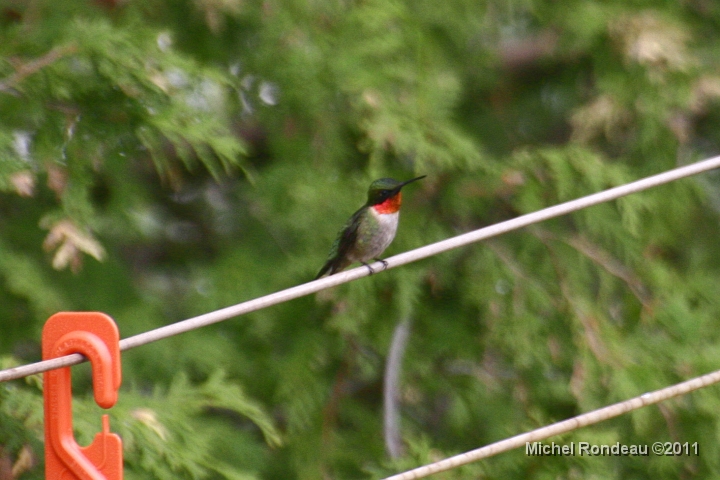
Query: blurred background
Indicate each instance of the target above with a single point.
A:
(165, 158)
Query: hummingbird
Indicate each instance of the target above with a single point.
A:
(370, 230)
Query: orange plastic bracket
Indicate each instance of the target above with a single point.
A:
(94, 335)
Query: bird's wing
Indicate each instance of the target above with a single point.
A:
(344, 241)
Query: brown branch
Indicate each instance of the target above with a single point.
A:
(588, 321)
(603, 259)
(521, 53)
(24, 70)
(611, 265)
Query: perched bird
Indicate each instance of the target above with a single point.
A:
(370, 230)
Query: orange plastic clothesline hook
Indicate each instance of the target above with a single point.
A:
(96, 336)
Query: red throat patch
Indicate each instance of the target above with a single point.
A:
(391, 205)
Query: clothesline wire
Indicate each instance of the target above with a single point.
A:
(392, 262)
(590, 418)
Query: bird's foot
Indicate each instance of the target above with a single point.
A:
(385, 264)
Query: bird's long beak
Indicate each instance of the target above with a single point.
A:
(410, 181)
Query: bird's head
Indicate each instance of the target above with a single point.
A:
(384, 194)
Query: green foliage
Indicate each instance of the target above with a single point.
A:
(160, 160)
(173, 433)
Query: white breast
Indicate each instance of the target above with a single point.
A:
(372, 242)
